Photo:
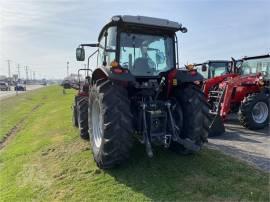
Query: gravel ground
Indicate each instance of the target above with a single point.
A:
(252, 147)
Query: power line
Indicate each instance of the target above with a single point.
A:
(29, 74)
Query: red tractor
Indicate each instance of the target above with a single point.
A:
(137, 91)
(216, 71)
(247, 93)
(80, 106)
(214, 68)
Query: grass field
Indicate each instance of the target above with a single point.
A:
(47, 161)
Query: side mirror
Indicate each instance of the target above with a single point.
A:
(160, 57)
(184, 30)
(80, 54)
(204, 68)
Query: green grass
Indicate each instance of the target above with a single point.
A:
(47, 161)
(15, 109)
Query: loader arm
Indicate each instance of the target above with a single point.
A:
(225, 104)
(210, 83)
(235, 90)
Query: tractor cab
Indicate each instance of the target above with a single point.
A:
(216, 71)
(214, 68)
(135, 47)
(259, 65)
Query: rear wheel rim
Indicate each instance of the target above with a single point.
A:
(97, 124)
(260, 112)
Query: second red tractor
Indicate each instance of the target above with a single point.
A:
(246, 93)
(80, 106)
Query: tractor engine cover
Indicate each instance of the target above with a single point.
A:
(157, 124)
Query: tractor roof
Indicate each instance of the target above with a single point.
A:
(209, 61)
(143, 21)
(256, 57)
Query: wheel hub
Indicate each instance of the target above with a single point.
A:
(260, 112)
(97, 124)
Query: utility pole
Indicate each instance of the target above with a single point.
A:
(19, 75)
(30, 74)
(26, 74)
(67, 68)
(34, 75)
(8, 61)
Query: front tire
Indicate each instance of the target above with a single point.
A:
(196, 118)
(110, 124)
(254, 111)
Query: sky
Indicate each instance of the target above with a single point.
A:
(43, 34)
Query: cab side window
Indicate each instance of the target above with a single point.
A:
(101, 51)
(111, 45)
(107, 47)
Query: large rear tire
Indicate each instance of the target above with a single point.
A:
(196, 118)
(110, 124)
(254, 111)
(83, 117)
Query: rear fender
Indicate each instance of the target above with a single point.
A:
(103, 73)
(184, 76)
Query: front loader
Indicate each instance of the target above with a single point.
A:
(246, 94)
(137, 91)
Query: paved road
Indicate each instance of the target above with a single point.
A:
(250, 146)
(6, 94)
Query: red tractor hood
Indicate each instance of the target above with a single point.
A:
(244, 80)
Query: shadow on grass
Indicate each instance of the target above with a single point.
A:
(198, 177)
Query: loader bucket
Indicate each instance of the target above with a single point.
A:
(217, 126)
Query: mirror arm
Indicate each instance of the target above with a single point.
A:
(90, 57)
(84, 70)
